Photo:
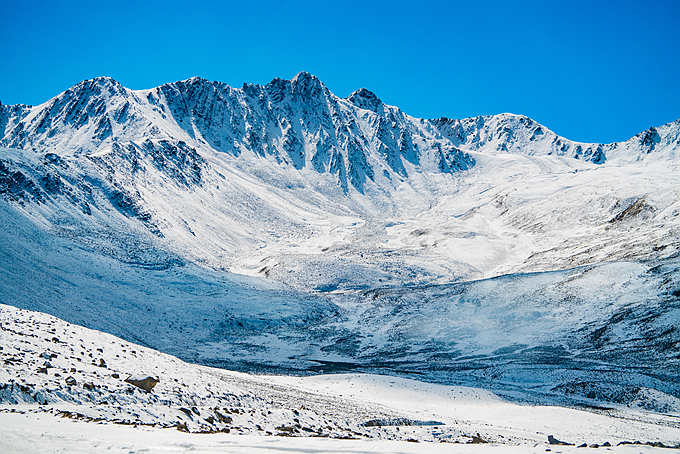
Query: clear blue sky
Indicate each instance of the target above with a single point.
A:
(589, 70)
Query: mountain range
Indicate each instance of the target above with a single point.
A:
(282, 228)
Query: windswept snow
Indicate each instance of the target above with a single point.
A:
(280, 229)
(56, 369)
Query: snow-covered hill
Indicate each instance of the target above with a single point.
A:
(55, 373)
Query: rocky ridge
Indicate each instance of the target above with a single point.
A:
(372, 223)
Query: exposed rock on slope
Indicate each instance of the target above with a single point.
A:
(297, 123)
(124, 209)
(508, 133)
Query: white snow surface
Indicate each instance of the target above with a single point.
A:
(281, 229)
(38, 406)
(289, 182)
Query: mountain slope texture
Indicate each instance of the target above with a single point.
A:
(282, 228)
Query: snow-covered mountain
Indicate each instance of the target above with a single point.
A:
(270, 179)
(507, 133)
(486, 251)
(297, 123)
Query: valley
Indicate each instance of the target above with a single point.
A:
(282, 231)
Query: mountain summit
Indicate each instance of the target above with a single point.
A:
(297, 123)
(225, 171)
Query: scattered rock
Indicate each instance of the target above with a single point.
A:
(145, 382)
(71, 381)
(287, 429)
(477, 439)
(554, 441)
(222, 418)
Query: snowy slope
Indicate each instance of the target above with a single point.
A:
(282, 228)
(55, 368)
(289, 182)
(580, 337)
(82, 374)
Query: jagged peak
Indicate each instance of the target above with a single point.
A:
(365, 99)
(303, 84)
(364, 93)
(304, 76)
(15, 106)
(97, 85)
(201, 81)
(306, 84)
(102, 81)
(191, 81)
(195, 79)
(276, 81)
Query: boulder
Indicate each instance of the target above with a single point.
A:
(145, 382)
(554, 441)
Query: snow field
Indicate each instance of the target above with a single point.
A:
(55, 369)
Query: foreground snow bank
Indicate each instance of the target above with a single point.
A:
(55, 374)
(39, 433)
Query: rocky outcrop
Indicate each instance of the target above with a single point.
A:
(145, 382)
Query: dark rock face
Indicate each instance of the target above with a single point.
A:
(11, 115)
(366, 99)
(16, 186)
(554, 441)
(649, 139)
(296, 122)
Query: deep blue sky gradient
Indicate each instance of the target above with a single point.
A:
(591, 71)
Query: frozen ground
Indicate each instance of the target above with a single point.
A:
(63, 388)
(44, 433)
